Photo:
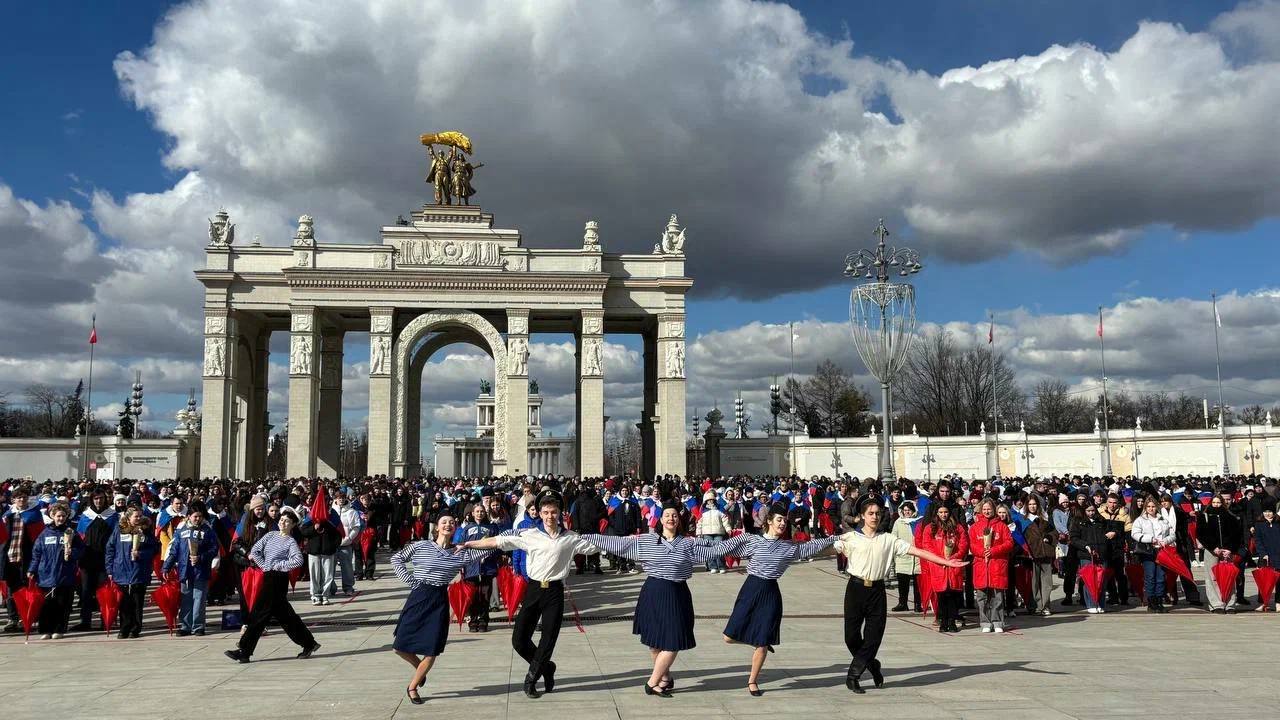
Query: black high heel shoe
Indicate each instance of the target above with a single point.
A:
(412, 694)
(754, 693)
(659, 691)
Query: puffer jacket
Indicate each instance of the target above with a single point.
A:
(1267, 535)
(1151, 530)
(120, 565)
(713, 522)
(1217, 529)
(1089, 537)
(940, 577)
(1042, 540)
(992, 573)
(48, 560)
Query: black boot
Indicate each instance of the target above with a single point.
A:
(549, 676)
(876, 676)
(531, 685)
(851, 679)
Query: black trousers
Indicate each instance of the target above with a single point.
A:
(545, 604)
(90, 581)
(56, 609)
(15, 577)
(908, 582)
(366, 563)
(948, 606)
(864, 619)
(969, 600)
(131, 605)
(479, 611)
(1070, 571)
(273, 603)
(1118, 585)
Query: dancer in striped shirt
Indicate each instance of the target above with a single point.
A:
(276, 553)
(664, 610)
(757, 613)
(423, 628)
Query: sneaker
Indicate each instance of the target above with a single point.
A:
(986, 629)
(57, 636)
(999, 629)
(324, 601)
(633, 571)
(315, 601)
(46, 636)
(1046, 612)
(1091, 611)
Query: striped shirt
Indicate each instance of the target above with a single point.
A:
(666, 559)
(276, 552)
(432, 564)
(770, 557)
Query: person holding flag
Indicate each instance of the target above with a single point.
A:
(322, 531)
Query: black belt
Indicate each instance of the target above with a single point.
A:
(865, 582)
(547, 583)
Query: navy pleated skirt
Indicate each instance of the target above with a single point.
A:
(423, 627)
(664, 615)
(757, 613)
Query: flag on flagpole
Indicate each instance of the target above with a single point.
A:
(1216, 317)
(991, 331)
(1099, 322)
(93, 334)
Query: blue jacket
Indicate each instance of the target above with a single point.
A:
(120, 564)
(488, 567)
(180, 552)
(47, 560)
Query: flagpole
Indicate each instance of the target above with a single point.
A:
(995, 404)
(791, 338)
(88, 409)
(1222, 409)
(1106, 421)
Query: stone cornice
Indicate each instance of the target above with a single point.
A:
(405, 280)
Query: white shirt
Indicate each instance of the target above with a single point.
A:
(871, 558)
(548, 557)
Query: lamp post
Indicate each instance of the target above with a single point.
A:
(1252, 454)
(928, 460)
(1137, 474)
(1027, 453)
(882, 315)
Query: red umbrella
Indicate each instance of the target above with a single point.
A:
(1094, 577)
(166, 598)
(732, 560)
(294, 574)
(515, 593)
(505, 576)
(1137, 580)
(366, 541)
(824, 522)
(156, 563)
(1266, 577)
(1022, 581)
(460, 595)
(28, 601)
(250, 584)
(1225, 573)
(1191, 533)
(419, 529)
(928, 596)
(4, 591)
(1170, 560)
(406, 534)
(109, 603)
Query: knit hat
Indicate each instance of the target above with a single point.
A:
(257, 501)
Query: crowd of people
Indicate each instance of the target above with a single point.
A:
(996, 546)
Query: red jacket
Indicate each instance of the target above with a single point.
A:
(940, 577)
(993, 573)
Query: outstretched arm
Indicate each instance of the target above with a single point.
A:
(926, 555)
(620, 546)
(489, 543)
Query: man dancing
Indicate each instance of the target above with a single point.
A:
(549, 551)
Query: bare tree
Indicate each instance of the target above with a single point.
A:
(1056, 410)
(828, 402)
(945, 385)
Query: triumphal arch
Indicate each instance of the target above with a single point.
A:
(446, 274)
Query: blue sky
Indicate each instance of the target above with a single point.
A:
(69, 130)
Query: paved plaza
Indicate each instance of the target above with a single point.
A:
(1125, 664)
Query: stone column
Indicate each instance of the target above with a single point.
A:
(329, 430)
(381, 323)
(304, 390)
(649, 412)
(517, 391)
(217, 393)
(590, 402)
(258, 417)
(671, 395)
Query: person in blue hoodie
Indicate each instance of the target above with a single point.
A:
(481, 572)
(128, 563)
(192, 551)
(54, 558)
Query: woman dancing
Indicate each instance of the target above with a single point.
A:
(757, 613)
(664, 610)
(423, 627)
(872, 555)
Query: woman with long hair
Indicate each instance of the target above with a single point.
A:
(427, 566)
(943, 536)
(1151, 531)
(907, 567)
(757, 613)
(128, 564)
(664, 610)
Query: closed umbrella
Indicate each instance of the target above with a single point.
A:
(1094, 577)
(166, 597)
(28, 601)
(1266, 577)
(366, 541)
(515, 593)
(1170, 560)
(1225, 574)
(250, 585)
(1021, 581)
(505, 576)
(109, 603)
(461, 594)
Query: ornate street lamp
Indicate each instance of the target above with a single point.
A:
(882, 315)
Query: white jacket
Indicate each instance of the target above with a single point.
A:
(1152, 530)
(713, 522)
(351, 524)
